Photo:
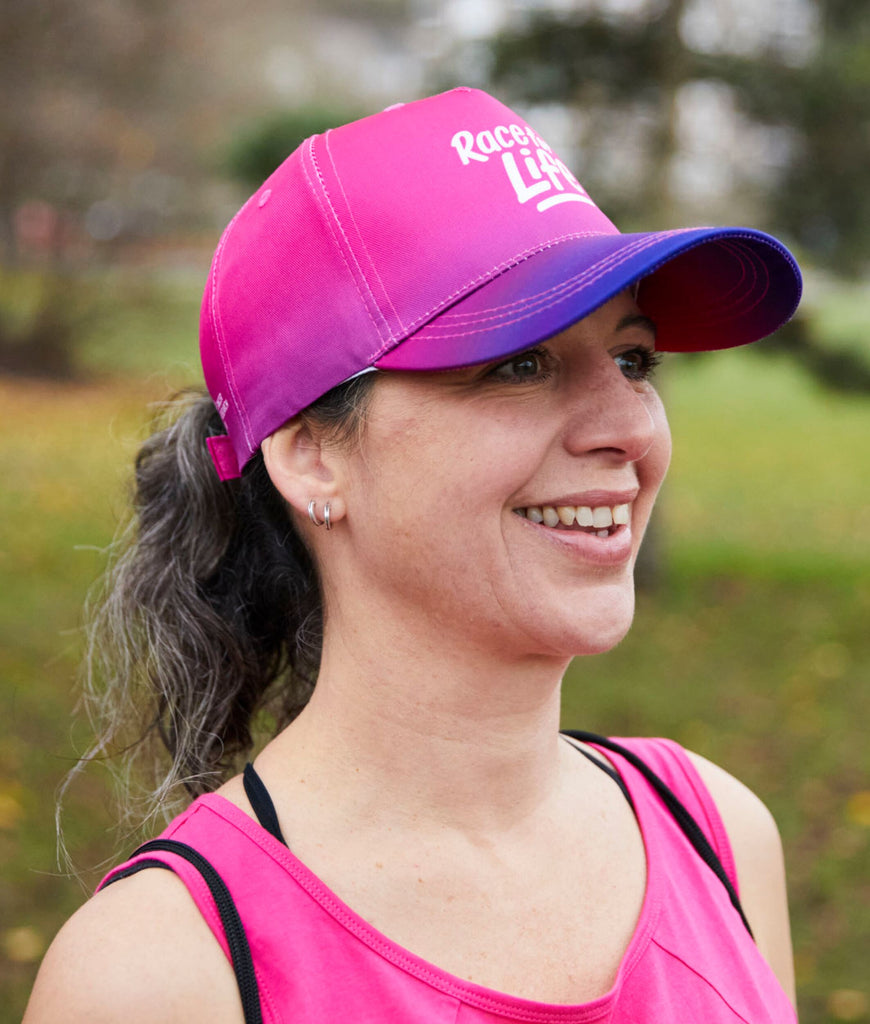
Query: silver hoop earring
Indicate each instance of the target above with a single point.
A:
(327, 508)
(312, 514)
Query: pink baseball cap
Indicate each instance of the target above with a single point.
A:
(438, 234)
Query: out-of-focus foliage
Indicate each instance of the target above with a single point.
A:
(842, 369)
(75, 80)
(621, 76)
(822, 199)
(257, 150)
(613, 68)
(805, 115)
(78, 83)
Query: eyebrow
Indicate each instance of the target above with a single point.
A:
(637, 320)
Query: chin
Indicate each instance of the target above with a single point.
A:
(601, 644)
(597, 624)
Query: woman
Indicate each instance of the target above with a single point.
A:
(431, 416)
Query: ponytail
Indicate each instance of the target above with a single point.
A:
(208, 629)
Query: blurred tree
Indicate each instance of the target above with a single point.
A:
(799, 102)
(262, 145)
(822, 198)
(72, 79)
(621, 76)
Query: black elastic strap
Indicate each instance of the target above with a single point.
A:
(261, 803)
(606, 768)
(691, 829)
(264, 808)
(237, 940)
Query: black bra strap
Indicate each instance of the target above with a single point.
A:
(264, 808)
(606, 768)
(261, 802)
(691, 829)
(234, 930)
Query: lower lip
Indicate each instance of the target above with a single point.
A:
(614, 549)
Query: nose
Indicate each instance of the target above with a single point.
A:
(612, 415)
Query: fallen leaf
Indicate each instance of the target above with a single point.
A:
(858, 808)
(847, 1004)
(23, 945)
(11, 811)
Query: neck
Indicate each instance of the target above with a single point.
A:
(454, 737)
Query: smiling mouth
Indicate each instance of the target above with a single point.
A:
(600, 521)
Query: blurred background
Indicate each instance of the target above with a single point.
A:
(131, 130)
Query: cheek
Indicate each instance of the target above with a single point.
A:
(655, 464)
(407, 488)
(653, 467)
(447, 464)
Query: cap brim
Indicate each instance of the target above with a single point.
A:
(705, 288)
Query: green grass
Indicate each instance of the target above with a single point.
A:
(145, 327)
(768, 472)
(753, 650)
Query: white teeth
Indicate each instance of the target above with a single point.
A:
(566, 514)
(600, 518)
(584, 515)
(551, 516)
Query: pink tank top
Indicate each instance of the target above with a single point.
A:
(690, 958)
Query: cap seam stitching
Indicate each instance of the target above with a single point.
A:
(337, 223)
(564, 286)
(481, 278)
(580, 283)
(603, 268)
(390, 333)
(611, 262)
(735, 243)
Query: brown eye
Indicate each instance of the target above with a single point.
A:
(524, 366)
(638, 363)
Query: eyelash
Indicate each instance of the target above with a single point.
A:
(649, 359)
(539, 353)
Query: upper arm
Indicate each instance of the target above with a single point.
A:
(139, 951)
(758, 857)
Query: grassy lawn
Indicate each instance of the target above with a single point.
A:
(753, 649)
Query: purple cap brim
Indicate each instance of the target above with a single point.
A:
(705, 288)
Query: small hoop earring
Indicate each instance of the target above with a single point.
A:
(312, 514)
(327, 509)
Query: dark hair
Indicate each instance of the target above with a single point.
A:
(208, 627)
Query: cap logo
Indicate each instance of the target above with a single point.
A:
(538, 173)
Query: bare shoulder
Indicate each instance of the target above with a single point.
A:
(749, 823)
(758, 857)
(139, 951)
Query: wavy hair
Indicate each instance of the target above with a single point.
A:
(206, 631)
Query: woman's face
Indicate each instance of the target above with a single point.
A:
(456, 470)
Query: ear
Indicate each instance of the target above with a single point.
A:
(304, 470)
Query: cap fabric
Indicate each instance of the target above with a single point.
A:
(442, 233)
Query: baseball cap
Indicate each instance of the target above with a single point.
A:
(442, 233)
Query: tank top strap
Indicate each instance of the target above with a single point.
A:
(673, 765)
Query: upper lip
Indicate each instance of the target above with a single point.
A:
(590, 499)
